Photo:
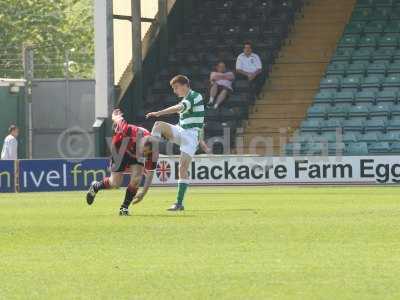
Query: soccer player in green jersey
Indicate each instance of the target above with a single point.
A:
(186, 134)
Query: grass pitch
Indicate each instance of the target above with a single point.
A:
(230, 243)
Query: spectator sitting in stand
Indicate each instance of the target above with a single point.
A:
(221, 84)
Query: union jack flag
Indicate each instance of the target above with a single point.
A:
(163, 171)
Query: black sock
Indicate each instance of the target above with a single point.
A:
(129, 195)
(102, 185)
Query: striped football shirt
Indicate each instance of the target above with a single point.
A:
(192, 115)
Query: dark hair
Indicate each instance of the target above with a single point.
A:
(248, 43)
(181, 79)
(12, 128)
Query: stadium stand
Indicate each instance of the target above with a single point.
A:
(359, 94)
(296, 74)
(216, 32)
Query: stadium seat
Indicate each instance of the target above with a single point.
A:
(343, 54)
(393, 124)
(375, 27)
(385, 54)
(369, 40)
(317, 111)
(379, 112)
(316, 149)
(337, 68)
(330, 82)
(331, 125)
(364, 3)
(338, 112)
(386, 96)
(369, 137)
(375, 125)
(366, 97)
(379, 148)
(361, 14)
(363, 54)
(373, 82)
(344, 97)
(392, 80)
(392, 27)
(336, 148)
(357, 149)
(353, 125)
(357, 68)
(394, 68)
(358, 112)
(351, 82)
(324, 97)
(377, 68)
(355, 28)
(390, 137)
(350, 137)
(310, 125)
(395, 147)
(350, 41)
(388, 40)
(395, 111)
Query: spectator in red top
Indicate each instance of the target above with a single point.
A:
(221, 84)
(132, 151)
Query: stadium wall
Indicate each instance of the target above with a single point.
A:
(67, 175)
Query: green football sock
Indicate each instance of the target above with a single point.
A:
(182, 187)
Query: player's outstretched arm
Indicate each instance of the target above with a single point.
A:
(168, 111)
(147, 183)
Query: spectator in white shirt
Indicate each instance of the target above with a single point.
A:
(10, 146)
(221, 84)
(249, 66)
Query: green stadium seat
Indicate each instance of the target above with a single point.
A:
(359, 112)
(329, 137)
(361, 14)
(353, 125)
(317, 111)
(375, 27)
(392, 27)
(395, 111)
(392, 80)
(384, 54)
(383, 3)
(379, 112)
(331, 125)
(395, 16)
(336, 148)
(379, 148)
(293, 149)
(316, 149)
(390, 137)
(324, 97)
(343, 54)
(394, 68)
(377, 68)
(357, 149)
(330, 82)
(369, 40)
(372, 82)
(351, 82)
(337, 68)
(395, 147)
(380, 14)
(375, 125)
(350, 41)
(357, 68)
(350, 137)
(365, 97)
(369, 137)
(344, 97)
(338, 112)
(396, 54)
(388, 40)
(363, 54)
(393, 124)
(355, 28)
(310, 125)
(364, 3)
(304, 137)
(386, 97)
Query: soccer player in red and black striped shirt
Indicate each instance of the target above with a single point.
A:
(133, 151)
